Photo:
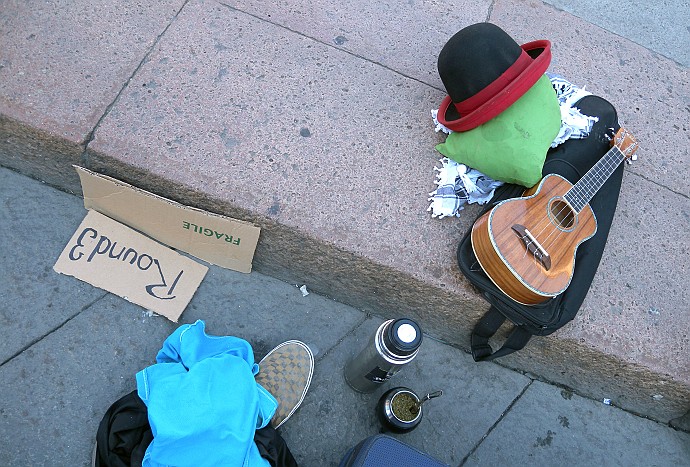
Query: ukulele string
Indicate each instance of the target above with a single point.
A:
(543, 242)
(554, 228)
(529, 242)
(578, 193)
(551, 223)
(555, 224)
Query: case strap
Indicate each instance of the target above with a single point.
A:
(487, 327)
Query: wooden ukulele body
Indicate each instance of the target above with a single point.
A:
(527, 245)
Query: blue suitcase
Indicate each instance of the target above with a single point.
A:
(386, 451)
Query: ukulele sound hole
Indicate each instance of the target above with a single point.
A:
(562, 214)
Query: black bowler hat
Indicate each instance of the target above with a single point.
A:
(484, 72)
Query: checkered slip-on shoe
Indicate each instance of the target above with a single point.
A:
(286, 373)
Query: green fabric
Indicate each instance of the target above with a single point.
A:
(512, 146)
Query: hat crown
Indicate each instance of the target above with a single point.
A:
(474, 58)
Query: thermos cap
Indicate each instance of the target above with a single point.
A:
(407, 333)
(403, 336)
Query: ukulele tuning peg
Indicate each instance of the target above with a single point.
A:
(631, 148)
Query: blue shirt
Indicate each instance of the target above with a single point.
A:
(203, 402)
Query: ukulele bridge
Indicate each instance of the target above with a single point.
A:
(533, 246)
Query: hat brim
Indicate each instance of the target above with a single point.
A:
(449, 117)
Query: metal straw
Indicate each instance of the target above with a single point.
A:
(431, 395)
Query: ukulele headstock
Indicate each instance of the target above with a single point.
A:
(626, 144)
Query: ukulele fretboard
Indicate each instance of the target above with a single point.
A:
(584, 190)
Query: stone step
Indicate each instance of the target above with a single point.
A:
(313, 121)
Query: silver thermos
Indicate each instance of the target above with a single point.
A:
(395, 343)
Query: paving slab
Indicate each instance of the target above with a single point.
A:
(267, 312)
(336, 165)
(473, 400)
(62, 64)
(658, 26)
(55, 392)
(402, 36)
(34, 300)
(551, 426)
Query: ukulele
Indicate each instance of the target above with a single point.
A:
(527, 245)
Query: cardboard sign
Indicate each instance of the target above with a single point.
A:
(115, 258)
(217, 239)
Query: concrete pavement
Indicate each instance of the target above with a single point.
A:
(311, 119)
(68, 350)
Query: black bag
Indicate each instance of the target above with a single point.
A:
(124, 434)
(572, 160)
